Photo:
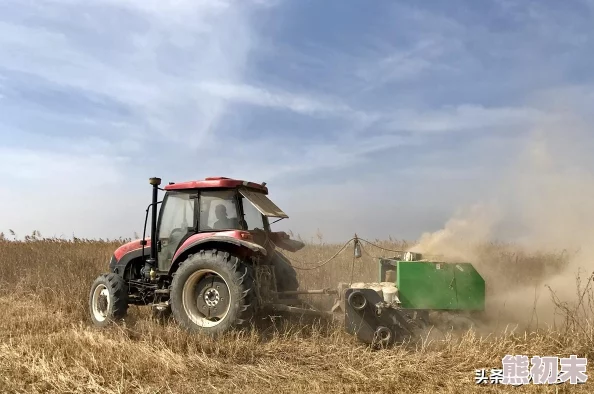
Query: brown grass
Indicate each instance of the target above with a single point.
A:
(47, 344)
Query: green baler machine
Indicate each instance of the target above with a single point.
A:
(434, 285)
(427, 293)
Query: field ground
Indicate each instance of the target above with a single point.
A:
(48, 345)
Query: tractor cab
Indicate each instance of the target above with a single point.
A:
(215, 206)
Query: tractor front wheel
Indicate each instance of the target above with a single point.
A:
(108, 299)
(211, 292)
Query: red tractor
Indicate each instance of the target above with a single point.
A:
(211, 260)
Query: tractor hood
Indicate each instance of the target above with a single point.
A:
(130, 246)
(263, 203)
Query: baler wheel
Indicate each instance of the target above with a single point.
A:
(357, 300)
(383, 336)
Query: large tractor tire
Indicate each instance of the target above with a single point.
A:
(212, 293)
(108, 299)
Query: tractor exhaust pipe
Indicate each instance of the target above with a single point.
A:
(155, 182)
(150, 266)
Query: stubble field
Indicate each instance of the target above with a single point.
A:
(48, 345)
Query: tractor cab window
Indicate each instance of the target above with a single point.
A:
(252, 216)
(177, 219)
(218, 210)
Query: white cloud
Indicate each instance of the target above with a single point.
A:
(27, 165)
(463, 117)
(174, 67)
(79, 193)
(64, 210)
(275, 158)
(266, 98)
(149, 68)
(396, 65)
(282, 158)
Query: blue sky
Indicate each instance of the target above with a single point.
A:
(382, 118)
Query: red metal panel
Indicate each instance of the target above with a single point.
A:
(199, 236)
(214, 182)
(130, 246)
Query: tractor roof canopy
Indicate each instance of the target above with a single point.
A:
(216, 182)
(254, 192)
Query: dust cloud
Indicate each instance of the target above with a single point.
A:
(546, 199)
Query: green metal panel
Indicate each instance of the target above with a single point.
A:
(425, 285)
(470, 287)
(436, 285)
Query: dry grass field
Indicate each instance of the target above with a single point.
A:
(48, 345)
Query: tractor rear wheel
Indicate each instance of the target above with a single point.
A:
(211, 292)
(108, 299)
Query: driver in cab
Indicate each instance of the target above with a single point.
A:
(223, 221)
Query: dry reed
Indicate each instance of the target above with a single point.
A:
(47, 344)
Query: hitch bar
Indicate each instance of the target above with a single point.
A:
(298, 292)
(300, 311)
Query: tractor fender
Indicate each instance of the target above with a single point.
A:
(120, 266)
(220, 242)
(129, 254)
